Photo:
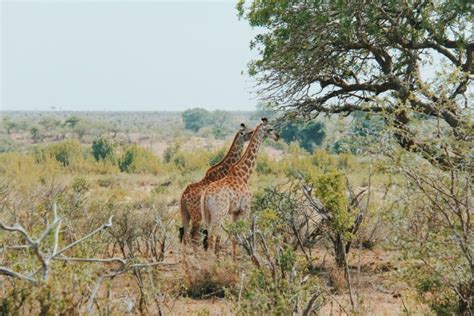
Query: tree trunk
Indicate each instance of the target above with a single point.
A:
(339, 250)
(466, 302)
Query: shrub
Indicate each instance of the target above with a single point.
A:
(102, 149)
(346, 161)
(279, 283)
(330, 189)
(196, 118)
(217, 157)
(310, 135)
(35, 134)
(263, 164)
(189, 162)
(170, 152)
(322, 159)
(80, 185)
(219, 132)
(65, 152)
(137, 159)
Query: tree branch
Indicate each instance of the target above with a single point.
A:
(10, 273)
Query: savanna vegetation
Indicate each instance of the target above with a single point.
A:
(366, 209)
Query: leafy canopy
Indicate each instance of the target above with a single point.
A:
(309, 135)
(196, 118)
(374, 56)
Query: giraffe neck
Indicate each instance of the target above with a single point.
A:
(233, 155)
(245, 166)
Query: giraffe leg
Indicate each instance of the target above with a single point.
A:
(195, 233)
(211, 242)
(235, 244)
(234, 250)
(205, 240)
(185, 218)
(217, 245)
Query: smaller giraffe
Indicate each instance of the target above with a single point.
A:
(231, 195)
(191, 197)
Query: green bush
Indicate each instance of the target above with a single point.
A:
(170, 152)
(65, 152)
(196, 118)
(102, 149)
(331, 190)
(309, 135)
(80, 185)
(137, 159)
(264, 164)
(217, 157)
(322, 159)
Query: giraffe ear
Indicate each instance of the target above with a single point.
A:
(264, 120)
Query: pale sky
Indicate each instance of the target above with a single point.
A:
(127, 55)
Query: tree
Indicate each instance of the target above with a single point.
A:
(312, 135)
(344, 56)
(366, 130)
(65, 152)
(137, 159)
(72, 121)
(196, 118)
(338, 57)
(35, 134)
(309, 135)
(264, 109)
(9, 125)
(102, 149)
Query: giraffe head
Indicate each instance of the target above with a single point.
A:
(268, 130)
(245, 133)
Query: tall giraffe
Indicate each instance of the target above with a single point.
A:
(231, 194)
(191, 196)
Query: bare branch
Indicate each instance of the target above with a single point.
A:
(10, 273)
(105, 226)
(18, 228)
(100, 260)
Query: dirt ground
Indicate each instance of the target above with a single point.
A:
(374, 291)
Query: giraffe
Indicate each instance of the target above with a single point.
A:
(231, 194)
(191, 196)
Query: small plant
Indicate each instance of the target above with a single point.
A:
(80, 185)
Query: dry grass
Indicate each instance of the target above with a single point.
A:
(205, 277)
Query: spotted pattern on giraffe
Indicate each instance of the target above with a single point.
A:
(231, 196)
(190, 203)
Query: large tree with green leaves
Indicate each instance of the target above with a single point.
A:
(410, 63)
(401, 59)
(195, 118)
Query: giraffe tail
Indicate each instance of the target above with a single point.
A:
(185, 218)
(206, 216)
